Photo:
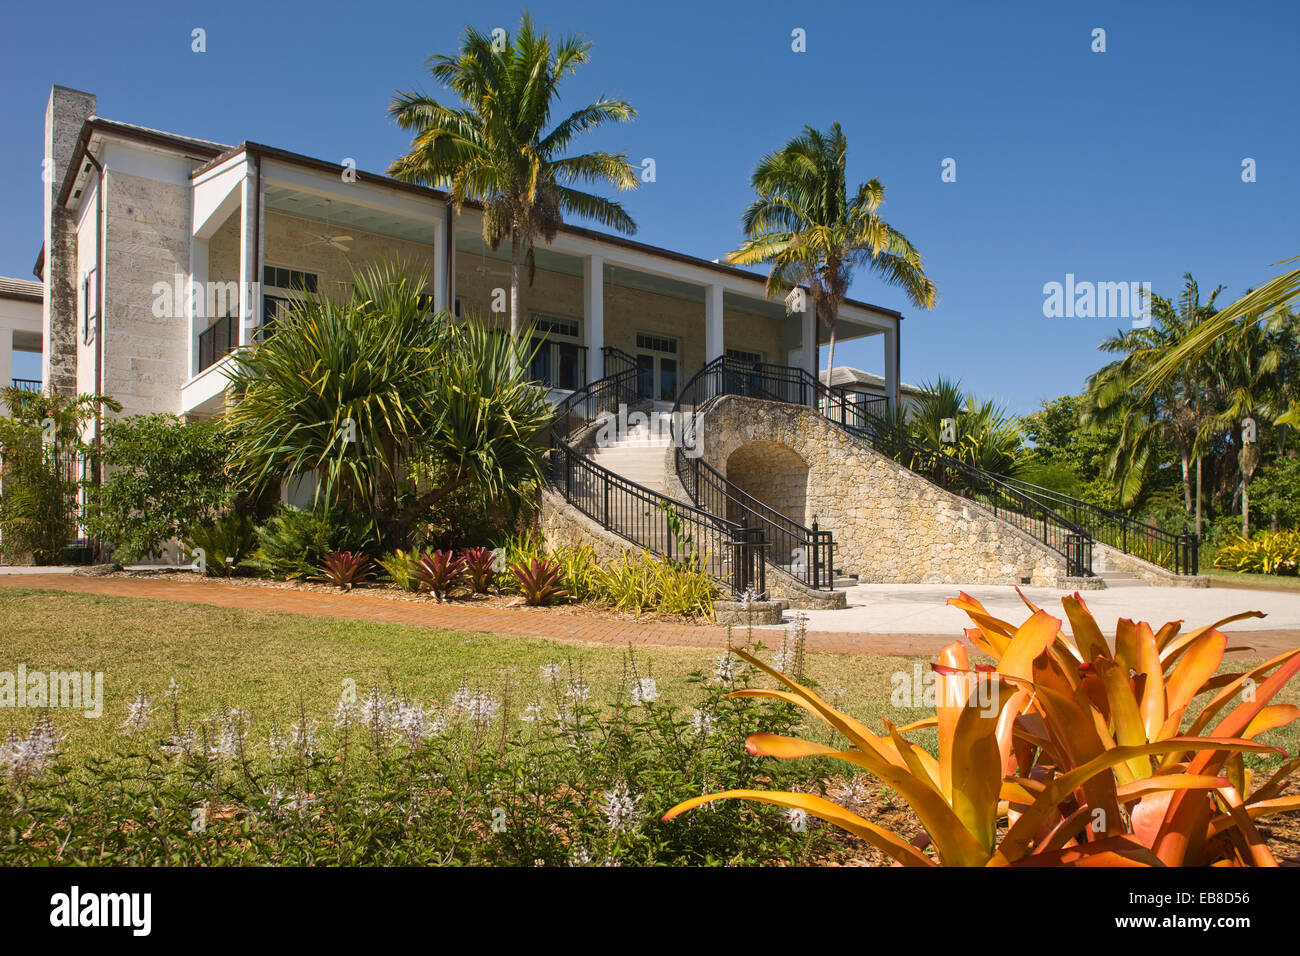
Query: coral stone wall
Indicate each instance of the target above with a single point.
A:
(890, 525)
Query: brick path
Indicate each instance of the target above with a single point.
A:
(526, 622)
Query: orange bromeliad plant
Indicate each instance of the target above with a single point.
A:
(1076, 746)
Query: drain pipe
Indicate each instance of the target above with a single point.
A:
(99, 305)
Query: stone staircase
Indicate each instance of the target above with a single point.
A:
(640, 456)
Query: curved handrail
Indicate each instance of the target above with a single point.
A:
(647, 518)
(806, 554)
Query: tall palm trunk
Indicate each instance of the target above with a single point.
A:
(515, 324)
(1187, 482)
(1245, 507)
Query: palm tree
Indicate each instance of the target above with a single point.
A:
(1270, 301)
(806, 225)
(986, 435)
(1248, 373)
(496, 149)
(1174, 413)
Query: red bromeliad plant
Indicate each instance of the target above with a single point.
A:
(480, 567)
(540, 581)
(344, 569)
(440, 572)
(1064, 752)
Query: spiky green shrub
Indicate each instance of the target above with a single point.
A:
(293, 543)
(226, 543)
(646, 582)
(401, 410)
(402, 568)
(1267, 552)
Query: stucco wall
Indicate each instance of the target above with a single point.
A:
(890, 525)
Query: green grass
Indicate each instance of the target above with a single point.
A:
(267, 661)
(1244, 580)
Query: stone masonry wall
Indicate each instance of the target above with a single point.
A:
(890, 525)
(66, 111)
(146, 357)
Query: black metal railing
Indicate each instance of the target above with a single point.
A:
(1173, 551)
(27, 384)
(807, 554)
(218, 340)
(677, 530)
(872, 423)
(72, 474)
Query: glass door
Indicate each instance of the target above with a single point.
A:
(656, 367)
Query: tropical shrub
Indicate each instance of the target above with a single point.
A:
(402, 568)
(346, 569)
(226, 543)
(541, 581)
(293, 543)
(403, 409)
(1076, 744)
(1275, 493)
(645, 582)
(41, 456)
(987, 436)
(520, 548)
(580, 571)
(161, 480)
(1266, 552)
(441, 572)
(480, 569)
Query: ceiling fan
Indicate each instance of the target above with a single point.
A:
(336, 240)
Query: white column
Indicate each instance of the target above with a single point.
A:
(713, 344)
(892, 343)
(6, 357)
(808, 338)
(250, 301)
(593, 314)
(439, 277)
(197, 300)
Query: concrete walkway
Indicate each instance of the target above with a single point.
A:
(922, 608)
(881, 619)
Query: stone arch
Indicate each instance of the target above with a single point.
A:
(773, 473)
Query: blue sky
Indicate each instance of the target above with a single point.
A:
(1115, 166)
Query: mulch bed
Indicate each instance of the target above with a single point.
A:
(462, 597)
(1281, 832)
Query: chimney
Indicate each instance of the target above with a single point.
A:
(64, 115)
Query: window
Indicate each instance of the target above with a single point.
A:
(553, 325)
(656, 343)
(656, 371)
(90, 304)
(740, 355)
(277, 278)
(561, 359)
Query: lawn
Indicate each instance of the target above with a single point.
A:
(1238, 579)
(269, 662)
(266, 662)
